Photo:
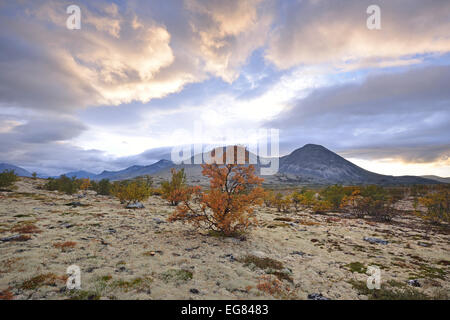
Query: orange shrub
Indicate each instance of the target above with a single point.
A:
(438, 206)
(282, 203)
(227, 206)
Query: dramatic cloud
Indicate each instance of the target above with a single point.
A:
(228, 31)
(320, 31)
(392, 115)
(139, 71)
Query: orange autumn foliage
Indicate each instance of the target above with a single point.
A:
(227, 206)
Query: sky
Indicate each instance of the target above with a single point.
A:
(140, 77)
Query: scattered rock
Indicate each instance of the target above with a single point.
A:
(317, 296)
(298, 253)
(424, 244)
(66, 225)
(375, 240)
(135, 205)
(16, 237)
(193, 248)
(229, 256)
(194, 291)
(111, 230)
(158, 221)
(75, 204)
(414, 283)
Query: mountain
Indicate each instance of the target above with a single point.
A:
(81, 174)
(310, 164)
(437, 178)
(18, 170)
(320, 165)
(134, 171)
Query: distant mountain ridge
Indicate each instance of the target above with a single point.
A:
(310, 164)
(437, 178)
(18, 170)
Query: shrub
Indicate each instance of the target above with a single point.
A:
(269, 198)
(129, 192)
(282, 203)
(85, 184)
(372, 201)
(7, 179)
(304, 198)
(175, 189)
(34, 175)
(438, 206)
(321, 206)
(334, 195)
(227, 207)
(63, 184)
(103, 187)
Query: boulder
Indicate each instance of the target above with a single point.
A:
(135, 205)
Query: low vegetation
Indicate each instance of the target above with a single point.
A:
(7, 180)
(228, 206)
(63, 184)
(175, 190)
(131, 191)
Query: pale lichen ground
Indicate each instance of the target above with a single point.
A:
(137, 254)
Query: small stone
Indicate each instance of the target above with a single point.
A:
(194, 291)
(424, 244)
(66, 225)
(298, 253)
(375, 240)
(135, 205)
(414, 283)
(17, 237)
(317, 296)
(74, 204)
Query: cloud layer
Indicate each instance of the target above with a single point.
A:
(139, 70)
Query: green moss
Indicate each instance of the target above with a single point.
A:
(177, 275)
(357, 267)
(133, 284)
(84, 295)
(430, 272)
(261, 263)
(390, 291)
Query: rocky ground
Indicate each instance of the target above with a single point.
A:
(137, 254)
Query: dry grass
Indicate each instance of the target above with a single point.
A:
(6, 294)
(48, 279)
(65, 245)
(26, 229)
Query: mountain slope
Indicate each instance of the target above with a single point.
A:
(18, 170)
(81, 174)
(134, 171)
(321, 165)
(437, 178)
